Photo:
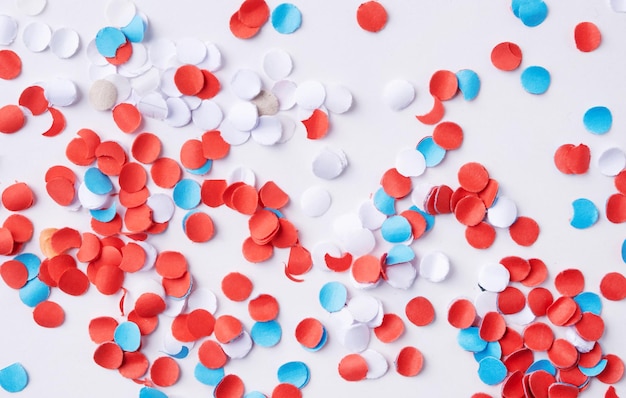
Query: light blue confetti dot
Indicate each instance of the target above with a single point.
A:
(594, 371)
(296, 373)
(97, 182)
(384, 203)
(321, 344)
(149, 392)
(104, 215)
(432, 152)
(183, 353)
(469, 83)
(254, 394)
(491, 371)
(624, 251)
(34, 292)
(286, 18)
(135, 30)
(108, 40)
(533, 13)
(585, 213)
(535, 79)
(470, 340)
(127, 336)
(13, 378)
(542, 364)
(598, 120)
(187, 194)
(396, 229)
(201, 170)
(266, 334)
(333, 296)
(206, 376)
(493, 349)
(31, 262)
(430, 219)
(589, 302)
(399, 254)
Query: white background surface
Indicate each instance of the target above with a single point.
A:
(514, 134)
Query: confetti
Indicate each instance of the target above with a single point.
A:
(506, 56)
(64, 43)
(36, 36)
(598, 120)
(13, 378)
(585, 213)
(612, 161)
(8, 29)
(535, 79)
(286, 18)
(420, 311)
(587, 36)
(409, 362)
(371, 16)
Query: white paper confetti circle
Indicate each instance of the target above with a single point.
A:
(503, 213)
(377, 365)
(207, 116)
(277, 64)
(36, 36)
(338, 99)
(60, 92)
(232, 135)
(285, 91)
(8, 30)
(398, 94)
(356, 338)
(246, 84)
(243, 116)
(213, 60)
(178, 113)
(410, 162)
(435, 266)
(161, 51)
(31, 7)
(268, 131)
(371, 217)
(364, 308)
(493, 277)
(485, 302)
(119, 13)
(191, 50)
(310, 94)
(401, 276)
(153, 106)
(64, 43)
(315, 201)
(162, 207)
(612, 161)
(329, 163)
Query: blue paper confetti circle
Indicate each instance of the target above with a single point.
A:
(286, 18)
(536, 79)
(598, 120)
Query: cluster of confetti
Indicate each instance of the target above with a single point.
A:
(144, 192)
